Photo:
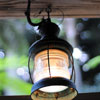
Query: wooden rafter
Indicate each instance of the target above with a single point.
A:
(82, 96)
(70, 8)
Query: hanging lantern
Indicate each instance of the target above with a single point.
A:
(52, 58)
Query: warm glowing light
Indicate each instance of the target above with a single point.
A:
(59, 64)
(55, 88)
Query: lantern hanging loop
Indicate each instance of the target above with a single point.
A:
(48, 10)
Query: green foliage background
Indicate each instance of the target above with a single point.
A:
(15, 46)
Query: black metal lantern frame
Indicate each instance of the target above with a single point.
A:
(49, 32)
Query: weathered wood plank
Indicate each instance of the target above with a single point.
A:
(82, 96)
(70, 8)
(15, 98)
(88, 96)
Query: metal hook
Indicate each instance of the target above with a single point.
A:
(27, 13)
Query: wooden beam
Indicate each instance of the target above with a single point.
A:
(82, 96)
(70, 8)
(88, 96)
(15, 98)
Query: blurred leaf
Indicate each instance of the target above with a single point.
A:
(2, 80)
(35, 20)
(14, 84)
(13, 62)
(93, 63)
(19, 86)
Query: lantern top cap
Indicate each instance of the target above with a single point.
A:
(48, 28)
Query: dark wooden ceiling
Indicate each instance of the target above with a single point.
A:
(70, 8)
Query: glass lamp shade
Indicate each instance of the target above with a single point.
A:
(59, 64)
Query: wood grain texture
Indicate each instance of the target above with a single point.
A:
(70, 8)
(82, 96)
